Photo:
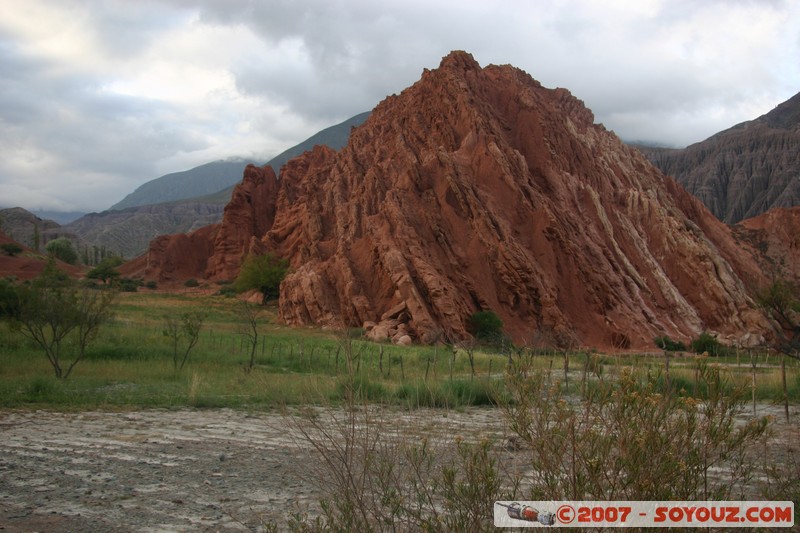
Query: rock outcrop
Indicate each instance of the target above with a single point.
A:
(743, 171)
(248, 216)
(776, 234)
(479, 189)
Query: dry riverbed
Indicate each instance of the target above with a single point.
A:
(186, 470)
(162, 470)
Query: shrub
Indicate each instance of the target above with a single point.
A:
(708, 343)
(486, 326)
(665, 343)
(191, 282)
(129, 285)
(11, 248)
(9, 300)
(227, 291)
(264, 273)
(151, 285)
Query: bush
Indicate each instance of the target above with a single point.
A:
(11, 248)
(708, 343)
(227, 291)
(264, 273)
(665, 343)
(151, 285)
(9, 300)
(129, 285)
(486, 326)
(191, 282)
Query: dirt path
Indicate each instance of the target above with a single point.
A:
(160, 470)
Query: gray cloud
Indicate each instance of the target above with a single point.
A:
(97, 97)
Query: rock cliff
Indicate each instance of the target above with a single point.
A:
(776, 234)
(479, 189)
(744, 171)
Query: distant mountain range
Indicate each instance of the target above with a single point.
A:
(745, 170)
(198, 181)
(221, 176)
(174, 203)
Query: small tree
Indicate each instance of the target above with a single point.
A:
(62, 249)
(186, 326)
(249, 315)
(106, 270)
(781, 302)
(264, 273)
(57, 315)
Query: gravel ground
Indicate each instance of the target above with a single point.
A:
(162, 470)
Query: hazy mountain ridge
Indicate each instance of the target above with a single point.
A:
(127, 231)
(743, 171)
(199, 181)
(217, 178)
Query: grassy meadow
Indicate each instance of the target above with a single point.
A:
(130, 365)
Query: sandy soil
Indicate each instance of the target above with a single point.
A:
(160, 470)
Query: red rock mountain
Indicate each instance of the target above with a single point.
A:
(776, 234)
(479, 189)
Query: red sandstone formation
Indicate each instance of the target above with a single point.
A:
(248, 216)
(478, 189)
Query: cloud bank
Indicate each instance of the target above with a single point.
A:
(98, 97)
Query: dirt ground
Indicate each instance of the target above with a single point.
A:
(162, 470)
(184, 470)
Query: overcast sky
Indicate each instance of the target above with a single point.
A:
(98, 97)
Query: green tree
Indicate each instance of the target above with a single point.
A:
(264, 273)
(61, 317)
(62, 249)
(486, 326)
(106, 270)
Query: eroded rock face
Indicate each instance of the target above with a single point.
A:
(479, 189)
(776, 234)
(745, 170)
(247, 217)
(175, 258)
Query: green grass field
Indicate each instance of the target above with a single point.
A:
(130, 365)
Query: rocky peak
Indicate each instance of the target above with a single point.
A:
(459, 60)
